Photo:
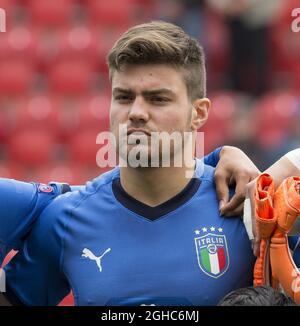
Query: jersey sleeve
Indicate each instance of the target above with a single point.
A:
(294, 244)
(20, 204)
(34, 276)
(212, 159)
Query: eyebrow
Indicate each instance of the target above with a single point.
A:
(145, 93)
(165, 91)
(121, 90)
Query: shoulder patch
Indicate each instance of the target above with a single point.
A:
(45, 188)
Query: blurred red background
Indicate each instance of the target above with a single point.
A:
(55, 95)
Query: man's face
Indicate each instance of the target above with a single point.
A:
(151, 98)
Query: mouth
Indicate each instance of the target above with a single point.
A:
(138, 132)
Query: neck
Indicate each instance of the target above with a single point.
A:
(154, 186)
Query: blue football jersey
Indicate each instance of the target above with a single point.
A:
(21, 203)
(111, 249)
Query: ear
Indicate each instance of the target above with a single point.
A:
(200, 113)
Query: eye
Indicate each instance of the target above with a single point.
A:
(159, 99)
(123, 98)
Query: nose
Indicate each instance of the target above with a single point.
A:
(138, 111)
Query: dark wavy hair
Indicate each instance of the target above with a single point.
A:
(161, 43)
(256, 296)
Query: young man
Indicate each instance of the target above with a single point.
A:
(141, 235)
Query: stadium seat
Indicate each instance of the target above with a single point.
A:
(18, 43)
(37, 113)
(94, 114)
(113, 12)
(47, 47)
(71, 78)
(10, 170)
(10, 9)
(3, 130)
(217, 128)
(9, 106)
(31, 147)
(297, 78)
(273, 114)
(62, 171)
(82, 114)
(83, 147)
(106, 38)
(74, 173)
(50, 13)
(285, 45)
(68, 111)
(77, 43)
(16, 77)
(217, 43)
(7, 5)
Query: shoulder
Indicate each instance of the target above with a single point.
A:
(64, 204)
(21, 203)
(99, 183)
(204, 172)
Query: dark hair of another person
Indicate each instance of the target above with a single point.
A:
(256, 296)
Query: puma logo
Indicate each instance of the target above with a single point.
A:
(88, 254)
